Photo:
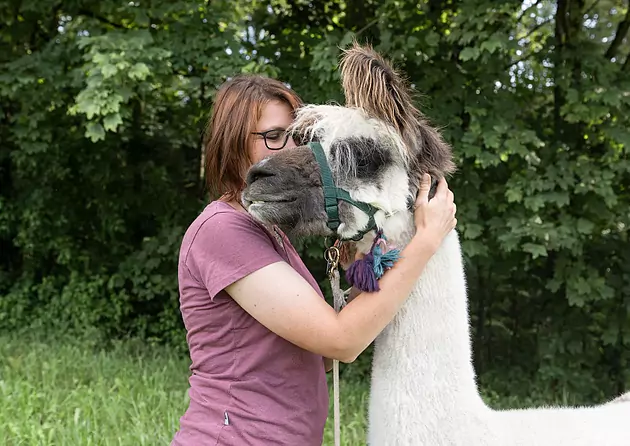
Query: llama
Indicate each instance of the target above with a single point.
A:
(423, 384)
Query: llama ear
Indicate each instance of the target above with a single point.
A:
(435, 154)
(372, 84)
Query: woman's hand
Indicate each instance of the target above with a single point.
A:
(434, 219)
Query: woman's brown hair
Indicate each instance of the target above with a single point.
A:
(237, 108)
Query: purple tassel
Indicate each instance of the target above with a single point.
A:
(364, 274)
(361, 274)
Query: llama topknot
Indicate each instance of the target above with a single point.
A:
(371, 84)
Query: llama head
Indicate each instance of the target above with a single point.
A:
(362, 163)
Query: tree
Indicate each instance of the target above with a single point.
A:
(104, 105)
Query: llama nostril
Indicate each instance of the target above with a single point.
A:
(257, 172)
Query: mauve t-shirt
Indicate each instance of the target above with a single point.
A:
(248, 385)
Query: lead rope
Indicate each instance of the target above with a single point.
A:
(337, 299)
(332, 256)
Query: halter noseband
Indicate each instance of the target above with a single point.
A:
(332, 194)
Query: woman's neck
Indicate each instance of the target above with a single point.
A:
(237, 205)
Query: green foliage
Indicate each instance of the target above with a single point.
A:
(103, 106)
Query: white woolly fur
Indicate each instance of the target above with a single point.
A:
(423, 387)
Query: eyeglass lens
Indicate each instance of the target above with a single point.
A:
(276, 139)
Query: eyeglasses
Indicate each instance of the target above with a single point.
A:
(275, 139)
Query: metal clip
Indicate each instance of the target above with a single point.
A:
(332, 256)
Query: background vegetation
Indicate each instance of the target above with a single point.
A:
(102, 110)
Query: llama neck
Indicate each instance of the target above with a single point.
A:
(426, 348)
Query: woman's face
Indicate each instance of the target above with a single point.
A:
(275, 119)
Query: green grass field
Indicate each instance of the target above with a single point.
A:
(68, 393)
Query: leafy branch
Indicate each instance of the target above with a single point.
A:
(367, 26)
(622, 31)
(591, 8)
(93, 15)
(527, 36)
(536, 28)
(533, 5)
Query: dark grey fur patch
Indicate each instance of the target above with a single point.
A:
(366, 155)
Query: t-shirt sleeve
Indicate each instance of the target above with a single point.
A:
(227, 247)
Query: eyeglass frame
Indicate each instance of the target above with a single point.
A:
(264, 135)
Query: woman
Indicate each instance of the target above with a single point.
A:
(258, 328)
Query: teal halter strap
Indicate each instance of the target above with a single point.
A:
(332, 194)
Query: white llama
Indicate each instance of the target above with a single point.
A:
(423, 387)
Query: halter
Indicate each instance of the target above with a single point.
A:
(332, 194)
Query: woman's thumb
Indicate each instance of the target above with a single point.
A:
(425, 185)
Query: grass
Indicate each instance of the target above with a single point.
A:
(69, 392)
(66, 392)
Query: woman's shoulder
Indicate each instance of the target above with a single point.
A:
(223, 244)
(219, 218)
(221, 229)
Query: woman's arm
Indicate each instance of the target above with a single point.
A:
(283, 301)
